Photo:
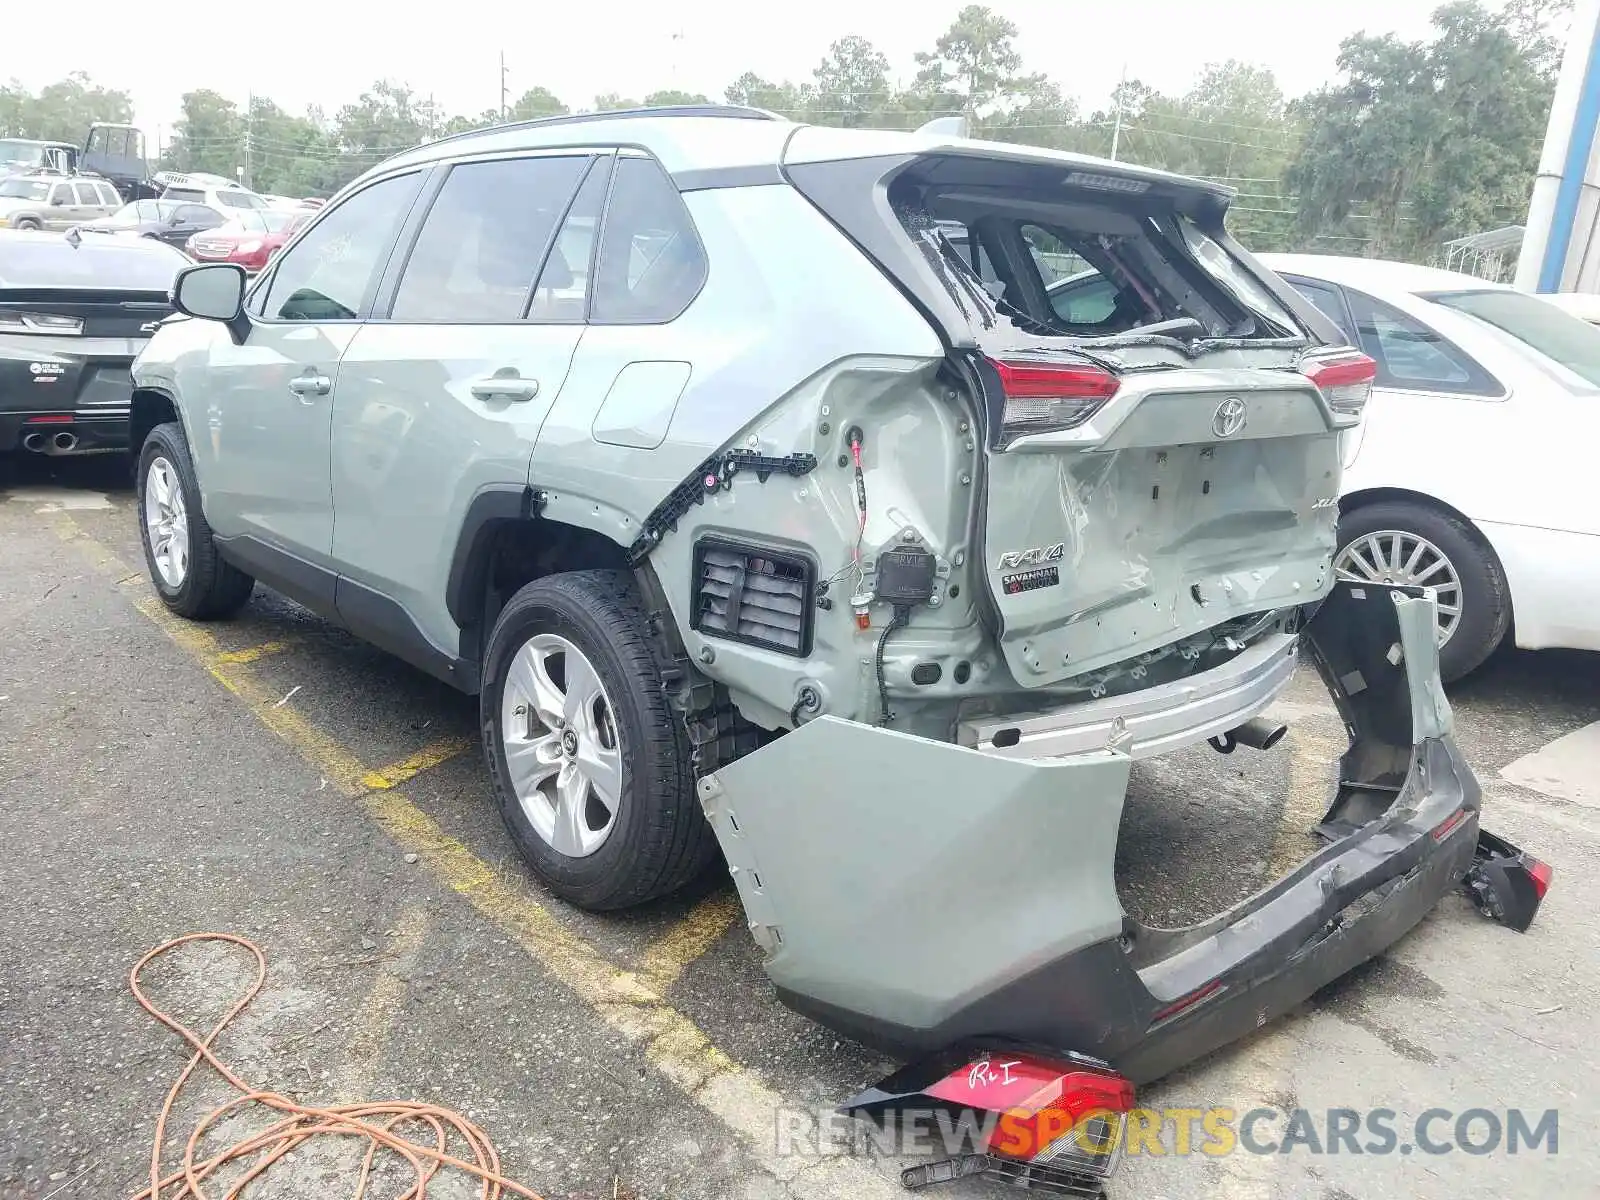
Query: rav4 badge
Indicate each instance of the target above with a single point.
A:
(1034, 554)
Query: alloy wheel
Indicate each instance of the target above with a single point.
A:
(166, 522)
(559, 735)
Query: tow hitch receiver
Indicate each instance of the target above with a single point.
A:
(1505, 883)
(1052, 1123)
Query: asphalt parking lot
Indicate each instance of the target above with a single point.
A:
(274, 778)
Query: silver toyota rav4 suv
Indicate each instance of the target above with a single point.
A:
(750, 475)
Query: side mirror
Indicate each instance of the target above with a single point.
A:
(58, 201)
(213, 292)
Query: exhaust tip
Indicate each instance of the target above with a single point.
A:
(65, 441)
(34, 442)
(1259, 733)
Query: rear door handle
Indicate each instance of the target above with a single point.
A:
(505, 384)
(310, 384)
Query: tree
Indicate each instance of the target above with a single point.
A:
(209, 136)
(670, 96)
(537, 102)
(852, 83)
(62, 111)
(611, 102)
(974, 60)
(1434, 139)
(752, 91)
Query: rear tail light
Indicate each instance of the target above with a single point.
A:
(1061, 1118)
(1046, 397)
(1541, 873)
(1344, 377)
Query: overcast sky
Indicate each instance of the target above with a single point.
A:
(326, 53)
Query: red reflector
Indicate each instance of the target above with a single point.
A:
(50, 419)
(1183, 1002)
(1035, 380)
(1541, 873)
(1449, 825)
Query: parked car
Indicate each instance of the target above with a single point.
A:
(45, 200)
(250, 242)
(753, 500)
(74, 311)
(170, 221)
(214, 191)
(1462, 475)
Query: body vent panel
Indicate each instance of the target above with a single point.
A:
(754, 595)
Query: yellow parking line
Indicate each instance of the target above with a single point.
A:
(665, 960)
(252, 653)
(380, 1011)
(627, 1001)
(413, 765)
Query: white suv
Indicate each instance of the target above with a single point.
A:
(214, 191)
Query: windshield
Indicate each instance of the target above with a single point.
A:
(1537, 324)
(24, 189)
(26, 153)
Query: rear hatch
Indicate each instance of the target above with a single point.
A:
(1161, 457)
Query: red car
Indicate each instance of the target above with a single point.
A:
(248, 240)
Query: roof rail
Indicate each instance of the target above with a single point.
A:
(733, 111)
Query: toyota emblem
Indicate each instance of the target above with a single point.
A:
(1229, 417)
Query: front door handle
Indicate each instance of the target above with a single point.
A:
(505, 384)
(310, 384)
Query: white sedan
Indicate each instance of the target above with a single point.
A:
(1474, 471)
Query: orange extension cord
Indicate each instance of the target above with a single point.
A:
(375, 1123)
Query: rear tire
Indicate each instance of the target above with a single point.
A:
(28, 224)
(629, 831)
(179, 549)
(1480, 590)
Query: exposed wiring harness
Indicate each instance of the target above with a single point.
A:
(375, 1123)
(902, 617)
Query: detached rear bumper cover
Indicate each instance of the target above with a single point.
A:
(919, 896)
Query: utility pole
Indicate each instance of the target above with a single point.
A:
(249, 113)
(503, 89)
(1116, 124)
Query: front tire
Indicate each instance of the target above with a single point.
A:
(590, 763)
(1395, 541)
(179, 549)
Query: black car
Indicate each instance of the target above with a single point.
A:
(75, 311)
(170, 221)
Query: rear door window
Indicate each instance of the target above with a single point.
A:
(88, 195)
(484, 238)
(1410, 355)
(651, 264)
(328, 274)
(562, 291)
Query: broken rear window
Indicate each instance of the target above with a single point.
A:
(1013, 243)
